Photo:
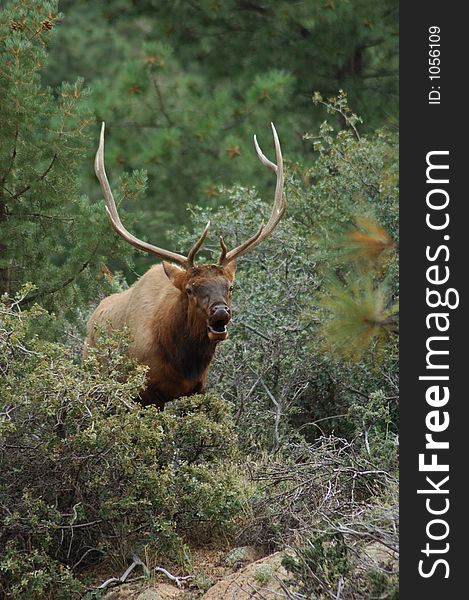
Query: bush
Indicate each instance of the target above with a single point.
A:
(87, 474)
(336, 510)
(332, 563)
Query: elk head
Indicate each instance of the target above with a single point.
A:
(207, 292)
(205, 289)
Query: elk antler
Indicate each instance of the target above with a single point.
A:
(277, 210)
(111, 209)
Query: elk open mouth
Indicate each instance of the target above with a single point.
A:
(218, 330)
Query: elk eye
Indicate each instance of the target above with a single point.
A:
(231, 288)
(189, 291)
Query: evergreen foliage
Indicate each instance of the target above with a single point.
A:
(85, 473)
(50, 234)
(183, 86)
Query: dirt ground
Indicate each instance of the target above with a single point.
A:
(240, 574)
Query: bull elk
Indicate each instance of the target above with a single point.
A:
(177, 312)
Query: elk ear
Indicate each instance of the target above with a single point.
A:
(173, 273)
(230, 269)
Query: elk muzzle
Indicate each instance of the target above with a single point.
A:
(220, 315)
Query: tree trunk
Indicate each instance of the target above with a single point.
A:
(5, 270)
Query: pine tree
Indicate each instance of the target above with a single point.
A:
(183, 86)
(50, 234)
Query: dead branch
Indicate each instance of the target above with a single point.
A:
(137, 562)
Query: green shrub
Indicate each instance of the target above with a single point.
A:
(329, 562)
(32, 574)
(336, 510)
(87, 474)
(320, 565)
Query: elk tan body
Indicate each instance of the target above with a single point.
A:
(167, 333)
(152, 299)
(177, 312)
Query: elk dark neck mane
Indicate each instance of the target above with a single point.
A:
(184, 343)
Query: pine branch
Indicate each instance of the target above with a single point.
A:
(63, 285)
(28, 187)
(160, 100)
(12, 160)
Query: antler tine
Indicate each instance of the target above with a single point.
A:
(278, 207)
(196, 247)
(262, 157)
(224, 250)
(279, 198)
(227, 257)
(111, 209)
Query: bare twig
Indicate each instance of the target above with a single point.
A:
(256, 331)
(113, 581)
(340, 588)
(81, 559)
(278, 414)
(177, 579)
(137, 562)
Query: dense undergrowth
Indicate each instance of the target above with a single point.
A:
(87, 474)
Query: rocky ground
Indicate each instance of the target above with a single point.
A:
(241, 574)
